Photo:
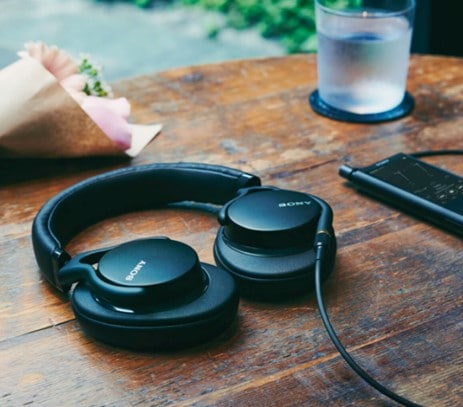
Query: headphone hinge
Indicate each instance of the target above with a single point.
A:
(247, 180)
(58, 259)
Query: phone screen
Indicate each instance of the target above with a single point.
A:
(422, 180)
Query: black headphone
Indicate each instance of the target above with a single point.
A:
(154, 293)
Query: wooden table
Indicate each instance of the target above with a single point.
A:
(395, 296)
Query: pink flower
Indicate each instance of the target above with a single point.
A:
(57, 62)
(109, 114)
(74, 85)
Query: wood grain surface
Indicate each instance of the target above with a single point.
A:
(395, 296)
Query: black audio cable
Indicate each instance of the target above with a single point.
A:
(320, 252)
(321, 247)
(429, 153)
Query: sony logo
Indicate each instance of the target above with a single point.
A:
(135, 270)
(294, 203)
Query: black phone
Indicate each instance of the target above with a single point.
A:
(413, 186)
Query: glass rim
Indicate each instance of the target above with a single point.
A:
(362, 12)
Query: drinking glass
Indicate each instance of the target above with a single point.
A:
(363, 53)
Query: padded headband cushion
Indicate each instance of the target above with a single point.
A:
(126, 190)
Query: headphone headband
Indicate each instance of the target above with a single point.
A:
(143, 187)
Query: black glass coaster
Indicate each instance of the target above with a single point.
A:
(319, 106)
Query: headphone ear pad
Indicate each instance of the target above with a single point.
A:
(170, 326)
(270, 274)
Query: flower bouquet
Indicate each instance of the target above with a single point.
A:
(53, 107)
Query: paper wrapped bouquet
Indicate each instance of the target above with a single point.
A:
(51, 107)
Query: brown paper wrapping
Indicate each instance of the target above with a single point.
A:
(39, 119)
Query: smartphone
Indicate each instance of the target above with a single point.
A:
(414, 186)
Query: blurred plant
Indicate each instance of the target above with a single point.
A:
(290, 21)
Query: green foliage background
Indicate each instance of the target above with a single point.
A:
(292, 22)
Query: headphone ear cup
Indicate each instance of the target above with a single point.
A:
(267, 240)
(169, 326)
(270, 274)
